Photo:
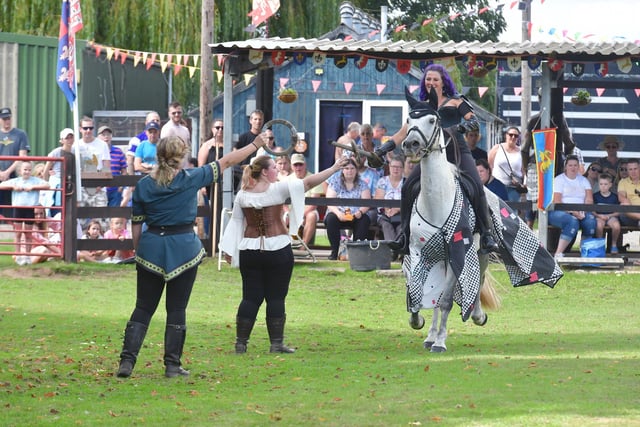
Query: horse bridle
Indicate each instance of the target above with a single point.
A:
(435, 136)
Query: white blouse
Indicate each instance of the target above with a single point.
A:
(233, 240)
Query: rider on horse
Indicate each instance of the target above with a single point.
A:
(455, 111)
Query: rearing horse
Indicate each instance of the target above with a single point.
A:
(443, 264)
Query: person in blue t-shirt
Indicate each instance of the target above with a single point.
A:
(146, 151)
(605, 217)
(484, 170)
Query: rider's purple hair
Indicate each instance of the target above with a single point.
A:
(448, 88)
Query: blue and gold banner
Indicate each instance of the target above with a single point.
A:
(544, 143)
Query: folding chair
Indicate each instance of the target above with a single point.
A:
(297, 244)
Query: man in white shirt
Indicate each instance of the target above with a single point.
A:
(311, 216)
(95, 156)
(174, 126)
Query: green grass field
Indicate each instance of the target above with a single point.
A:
(568, 356)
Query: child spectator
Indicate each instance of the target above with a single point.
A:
(606, 217)
(45, 236)
(93, 231)
(25, 195)
(118, 230)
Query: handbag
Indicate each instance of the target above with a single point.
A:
(517, 182)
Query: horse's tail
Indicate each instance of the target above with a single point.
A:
(489, 297)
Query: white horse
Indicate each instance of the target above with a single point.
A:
(444, 263)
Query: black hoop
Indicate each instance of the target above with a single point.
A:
(294, 136)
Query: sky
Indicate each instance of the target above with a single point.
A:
(606, 20)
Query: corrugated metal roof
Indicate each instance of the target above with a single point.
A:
(568, 51)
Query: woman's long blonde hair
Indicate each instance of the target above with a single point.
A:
(171, 153)
(251, 172)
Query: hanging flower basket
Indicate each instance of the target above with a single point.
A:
(581, 97)
(288, 96)
(480, 72)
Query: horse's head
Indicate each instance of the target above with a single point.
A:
(423, 127)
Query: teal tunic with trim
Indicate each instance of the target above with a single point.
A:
(174, 205)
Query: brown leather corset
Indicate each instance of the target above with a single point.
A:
(265, 222)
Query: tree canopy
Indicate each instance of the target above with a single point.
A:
(173, 26)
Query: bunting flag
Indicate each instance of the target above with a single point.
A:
(544, 144)
(316, 85)
(262, 10)
(70, 24)
(380, 87)
(347, 87)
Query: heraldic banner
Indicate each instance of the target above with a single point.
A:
(544, 143)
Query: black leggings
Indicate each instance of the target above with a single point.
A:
(265, 277)
(466, 164)
(149, 292)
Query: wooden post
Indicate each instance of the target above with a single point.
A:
(206, 69)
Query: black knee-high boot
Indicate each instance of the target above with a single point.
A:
(410, 192)
(174, 336)
(275, 327)
(134, 335)
(244, 326)
(483, 219)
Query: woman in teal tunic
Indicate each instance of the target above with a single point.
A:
(169, 252)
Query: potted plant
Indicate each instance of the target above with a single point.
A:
(288, 95)
(581, 97)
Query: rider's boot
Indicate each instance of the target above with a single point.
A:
(487, 242)
(410, 191)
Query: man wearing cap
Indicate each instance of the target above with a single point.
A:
(311, 216)
(353, 130)
(94, 157)
(174, 126)
(118, 165)
(13, 142)
(146, 151)
(152, 116)
(610, 163)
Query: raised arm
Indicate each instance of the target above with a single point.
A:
(236, 156)
(318, 178)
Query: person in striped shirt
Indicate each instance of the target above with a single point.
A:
(118, 165)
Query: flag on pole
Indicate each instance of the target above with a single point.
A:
(262, 10)
(544, 144)
(70, 24)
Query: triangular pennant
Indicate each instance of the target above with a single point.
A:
(482, 90)
(136, 59)
(185, 60)
(163, 62)
(315, 84)
(176, 69)
(347, 87)
(151, 60)
(192, 71)
(179, 59)
(219, 75)
(98, 50)
(109, 53)
(413, 88)
(145, 55)
(283, 81)
(517, 90)
(380, 87)
(637, 91)
(600, 91)
(565, 89)
(116, 53)
(123, 57)
(195, 60)
(221, 59)
(169, 58)
(247, 79)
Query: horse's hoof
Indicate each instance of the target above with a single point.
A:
(427, 344)
(416, 321)
(438, 349)
(483, 321)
